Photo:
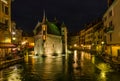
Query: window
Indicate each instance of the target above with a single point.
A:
(110, 36)
(2, 8)
(6, 23)
(44, 37)
(110, 23)
(6, 10)
(110, 13)
(105, 18)
(44, 27)
(44, 32)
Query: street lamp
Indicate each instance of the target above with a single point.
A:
(14, 38)
(102, 42)
(13, 33)
(75, 45)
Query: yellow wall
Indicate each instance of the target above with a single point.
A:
(114, 50)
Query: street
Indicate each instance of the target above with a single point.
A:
(78, 66)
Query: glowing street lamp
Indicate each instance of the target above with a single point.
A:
(13, 38)
(102, 42)
(13, 33)
(75, 45)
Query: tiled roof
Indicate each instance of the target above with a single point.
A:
(52, 28)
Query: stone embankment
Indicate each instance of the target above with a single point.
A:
(7, 63)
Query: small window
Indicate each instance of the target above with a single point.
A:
(44, 27)
(2, 8)
(6, 10)
(105, 18)
(110, 23)
(110, 36)
(110, 13)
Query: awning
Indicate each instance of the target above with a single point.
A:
(7, 45)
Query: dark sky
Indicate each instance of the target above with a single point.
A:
(74, 13)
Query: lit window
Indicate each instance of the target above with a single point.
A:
(44, 27)
(44, 37)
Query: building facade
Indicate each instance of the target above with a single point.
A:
(92, 37)
(16, 34)
(5, 28)
(98, 41)
(5, 14)
(73, 40)
(88, 37)
(112, 28)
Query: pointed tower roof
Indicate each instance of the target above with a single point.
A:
(44, 17)
(36, 27)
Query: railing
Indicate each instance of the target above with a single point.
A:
(109, 29)
(7, 63)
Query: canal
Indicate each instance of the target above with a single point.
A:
(78, 66)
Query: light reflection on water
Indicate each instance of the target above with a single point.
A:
(80, 66)
(12, 73)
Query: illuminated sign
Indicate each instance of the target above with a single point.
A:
(5, 1)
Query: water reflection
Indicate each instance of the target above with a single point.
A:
(80, 66)
(11, 74)
(104, 69)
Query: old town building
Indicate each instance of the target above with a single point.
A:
(92, 36)
(73, 40)
(5, 27)
(111, 20)
(50, 38)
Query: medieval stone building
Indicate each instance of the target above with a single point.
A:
(50, 38)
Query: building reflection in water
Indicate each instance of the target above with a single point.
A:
(80, 66)
(75, 59)
(47, 67)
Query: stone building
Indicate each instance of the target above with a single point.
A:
(49, 38)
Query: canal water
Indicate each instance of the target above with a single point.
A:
(78, 66)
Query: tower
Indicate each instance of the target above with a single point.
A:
(64, 38)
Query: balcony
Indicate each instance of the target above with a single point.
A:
(109, 29)
(3, 26)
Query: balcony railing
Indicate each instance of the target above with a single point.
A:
(109, 29)
(3, 26)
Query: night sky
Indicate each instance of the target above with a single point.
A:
(74, 13)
